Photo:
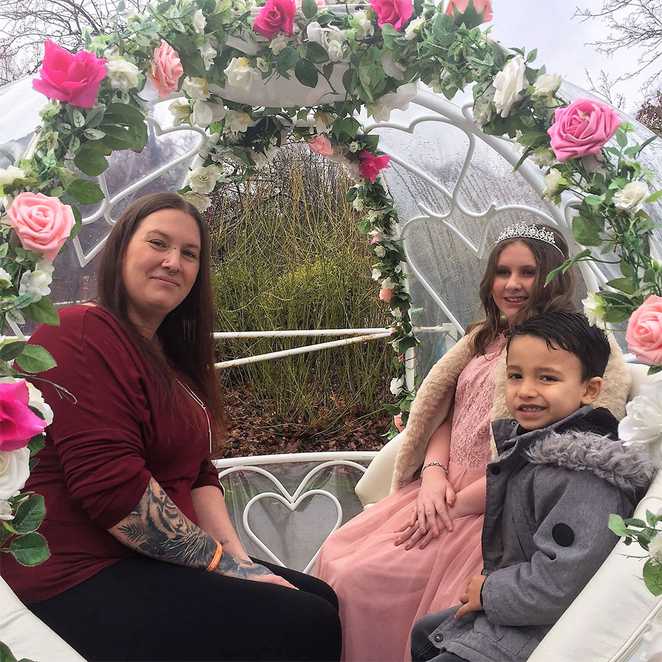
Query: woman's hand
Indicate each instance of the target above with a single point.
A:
(247, 569)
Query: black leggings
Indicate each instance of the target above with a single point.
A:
(144, 610)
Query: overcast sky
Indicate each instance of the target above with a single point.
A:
(561, 41)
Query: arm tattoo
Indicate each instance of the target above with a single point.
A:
(158, 529)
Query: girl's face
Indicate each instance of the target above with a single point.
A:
(514, 279)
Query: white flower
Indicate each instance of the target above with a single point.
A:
(261, 64)
(5, 511)
(414, 28)
(553, 183)
(357, 205)
(392, 68)
(331, 39)
(199, 21)
(10, 175)
(381, 110)
(239, 73)
(37, 282)
(631, 196)
(5, 279)
(543, 157)
(388, 284)
(199, 201)
(278, 44)
(397, 385)
(208, 53)
(196, 88)
(376, 274)
(335, 51)
(14, 471)
(123, 75)
(203, 179)
(205, 112)
(594, 309)
(237, 122)
(546, 85)
(323, 121)
(354, 147)
(380, 251)
(508, 84)
(655, 548)
(397, 313)
(363, 25)
(643, 421)
(181, 111)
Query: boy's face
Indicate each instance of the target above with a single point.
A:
(545, 385)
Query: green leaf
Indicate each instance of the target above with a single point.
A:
(78, 118)
(5, 654)
(36, 444)
(316, 53)
(85, 191)
(653, 577)
(30, 550)
(587, 231)
(94, 134)
(621, 139)
(29, 515)
(654, 197)
(594, 200)
(121, 137)
(91, 159)
(651, 518)
(617, 525)
(306, 73)
(11, 350)
(94, 116)
(44, 312)
(309, 8)
(654, 369)
(35, 358)
(623, 284)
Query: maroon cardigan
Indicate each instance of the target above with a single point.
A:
(102, 449)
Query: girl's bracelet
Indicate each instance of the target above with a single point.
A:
(434, 463)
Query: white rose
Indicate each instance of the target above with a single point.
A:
(388, 284)
(594, 309)
(392, 68)
(357, 205)
(397, 313)
(381, 110)
(543, 157)
(196, 88)
(655, 548)
(631, 196)
(5, 279)
(5, 511)
(330, 39)
(278, 44)
(199, 21)
(363, 25)
(180, 111)
(414, 28)
(553, 183)
(335, 51)
(205, 112)
(509, 83)
(397, 385)
(123, 75)
(239, 73)
(199, 201)
(376, 274)
(208, 53)
(203, 179)
(237, 122)
(10, 175)
(380, 251)
(643, 421)
(354, 147)
(37, 282)
(546, 85)
(14, 471)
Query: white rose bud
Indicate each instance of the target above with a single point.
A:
(199, 21)
(278, 44)
(379, 251)
(237, 122)
(335, 51)
(546, 85)
(207, 53)
(357, 205)
(354, 147)
(397, 385)
(5, 279)
(414, 28)
(509, 83)
(181, 111)
(123, 75)
(363, 25)
(553, 183)
(655, 549)
(37, 282)
(239, 73)
(594, 309)
(196, 88)
(631, 196)
(543, 157)
(376, 274)
(9, 175)
(14, 471)
(5, 511)
(203, 179)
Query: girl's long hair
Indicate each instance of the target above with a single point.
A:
(557, 295)
(185, 335)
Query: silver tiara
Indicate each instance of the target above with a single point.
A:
(524, 231)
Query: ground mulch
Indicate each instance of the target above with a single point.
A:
(257, 432)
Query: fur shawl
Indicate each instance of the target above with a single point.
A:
(435, 398)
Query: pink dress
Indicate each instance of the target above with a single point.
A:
(384, 589)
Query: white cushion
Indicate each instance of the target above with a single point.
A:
(27, 636)
(375, 484)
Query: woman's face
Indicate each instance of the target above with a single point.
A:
(160, 266)
(514, 279)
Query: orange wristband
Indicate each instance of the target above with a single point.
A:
(216, 559)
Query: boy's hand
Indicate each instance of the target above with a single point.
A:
(470, 599)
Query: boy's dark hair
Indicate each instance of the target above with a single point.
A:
(573, 333)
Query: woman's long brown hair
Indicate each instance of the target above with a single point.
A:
(557, 295)
(186, 333)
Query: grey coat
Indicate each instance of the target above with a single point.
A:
(549, 496)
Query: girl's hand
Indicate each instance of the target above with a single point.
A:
(434, 498)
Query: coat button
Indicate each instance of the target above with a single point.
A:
(495, 471)
(438, 637)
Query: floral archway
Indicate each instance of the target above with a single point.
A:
(251, 77)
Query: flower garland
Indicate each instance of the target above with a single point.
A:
(214, 51)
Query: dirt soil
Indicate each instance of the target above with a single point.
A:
(255, 432)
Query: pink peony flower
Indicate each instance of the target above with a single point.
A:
(166, 69)
(644, 334)
(18, 424)
(394, 12)
(482, 7)
(370, 165)
(385, 294)
(42, 223)
(276, 16)
(321, 145)
(397, 421)
(72, 78)
(582, 128)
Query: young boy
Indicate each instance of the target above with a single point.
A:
(560, 472)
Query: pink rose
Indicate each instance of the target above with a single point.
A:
(42, 223)
(482, 7)
(397, 421)
(582, 128)
(166, 69)
(375, 237)
(385, 294)
(394, 12)
(644, 334)
(276, 16)
(370, 165)
(321, 145)
(72, 78)
(18, 424)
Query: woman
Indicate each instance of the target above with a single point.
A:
(145, 563)
(410, 553)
